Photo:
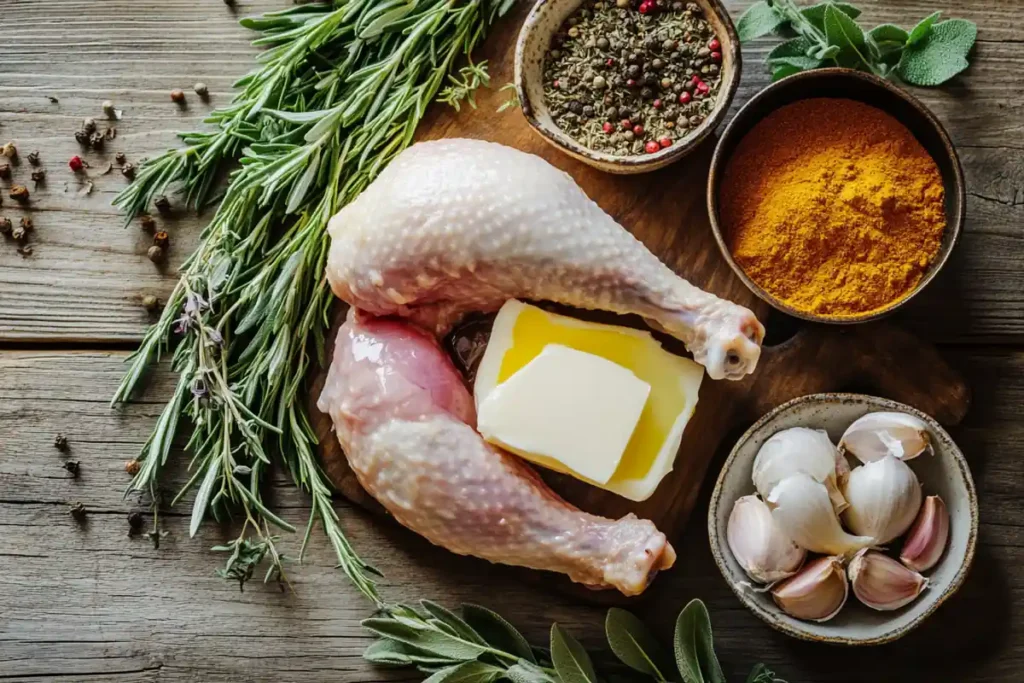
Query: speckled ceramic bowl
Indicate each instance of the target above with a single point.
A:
(535, 37)
(946, 474)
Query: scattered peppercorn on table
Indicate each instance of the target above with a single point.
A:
(85, 595)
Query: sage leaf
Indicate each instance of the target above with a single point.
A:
(425, 638)
(466, 672)
(759, 20)
(794, 53)
(634, 645)
(203, 497)
(843, 32)
(920, 32)
(497, 632)
(524, 671)
(694, 650)
(941, 56)
(572, 663)
(762, 674)
(884, 33)
(387, 653)
(783, 70)
(454, 621)
(816, 13)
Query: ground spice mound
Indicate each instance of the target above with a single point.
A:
(833, 207)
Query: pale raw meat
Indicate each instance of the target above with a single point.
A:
(455, 226)
(406, 422)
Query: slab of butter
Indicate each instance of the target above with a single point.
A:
(566, 409)
(521, 332)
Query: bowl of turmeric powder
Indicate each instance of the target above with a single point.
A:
(835, 196)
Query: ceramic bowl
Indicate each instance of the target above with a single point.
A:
(535, 37)
(945, 474)
(863, 87)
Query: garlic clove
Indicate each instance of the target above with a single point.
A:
(877, 435)
(802, 509)
(797, 450)
(766, 554)
(882, 583)
(815, 593)
(884, 498)
(926, 541)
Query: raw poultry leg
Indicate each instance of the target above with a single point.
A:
(406, 422)
(455, 226)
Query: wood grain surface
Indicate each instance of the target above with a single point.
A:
(87, 603)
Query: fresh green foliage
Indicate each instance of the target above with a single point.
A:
(827, 34)
(482, 646)
(513, 97)
(335, 96)
(464, 86)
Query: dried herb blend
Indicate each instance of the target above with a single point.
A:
(628, 78)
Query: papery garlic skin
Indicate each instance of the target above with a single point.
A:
(877, 435)
(802, 509)
(927, 539)
(882, 583)
(884, 498)
(766, 554)
(799, 450)
(815, 593)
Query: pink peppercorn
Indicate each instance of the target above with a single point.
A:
(607, 127)
(714, 45)
(638, 130)
(657, 104)
(716, 56)
(76, 164)
(626, 124)
(685, 97)
(652, 147)
(665, 142)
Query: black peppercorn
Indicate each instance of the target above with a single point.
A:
(155, 254)
(695, 120)
(633, 70)
(611, 113)
(576, 107)
(633, 58)
(162, 204)
(19, 193)
(78, 511)
(82, 137)
(668, 45)
(72, 466)
(657, 64)
(646, 93)
(135, 521)
(39, 175)
(6, 227)
(694, 7)
(677, 7)
(588, 112)
(96, 140)
(120, 157)
(5, 171)
(602, 43)
(128, 170)
(148, 224)
(161, 239)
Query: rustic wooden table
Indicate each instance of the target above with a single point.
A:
(88, 603)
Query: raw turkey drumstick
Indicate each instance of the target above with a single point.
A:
(456, 226)
(406, 422)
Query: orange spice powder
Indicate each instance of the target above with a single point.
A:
(833, 207)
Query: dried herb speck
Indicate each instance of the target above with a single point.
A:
(78, 511)
(96, 140)
(39, 175)
(60, 442)
(128, 170)
(6, 227)
(5, 171)
(33, 157)
(135, 522)
(72, 466)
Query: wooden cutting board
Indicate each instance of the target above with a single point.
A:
(666, 210)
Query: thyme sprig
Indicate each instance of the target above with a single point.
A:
(336, 95)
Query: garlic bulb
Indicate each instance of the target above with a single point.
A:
(877, 435)
(882, 583)
(766, 554)
(816, 593)
(797, 450)
(802, 509)
(926, 541)
(884, 498)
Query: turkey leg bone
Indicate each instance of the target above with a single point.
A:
(455, 226)
(406, 422)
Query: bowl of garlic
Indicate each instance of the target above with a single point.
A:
(844, 518)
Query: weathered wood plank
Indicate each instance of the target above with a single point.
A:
(87, 274)
(90, 602)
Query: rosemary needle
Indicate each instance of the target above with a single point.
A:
(335, 96)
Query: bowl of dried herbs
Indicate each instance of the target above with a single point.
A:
(627, 86)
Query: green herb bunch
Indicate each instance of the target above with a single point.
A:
(826, 34)
(481, 646)
(337, 94)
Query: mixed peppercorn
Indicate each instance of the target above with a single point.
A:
(627, 77)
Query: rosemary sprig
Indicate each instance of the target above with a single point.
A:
(337, 94)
